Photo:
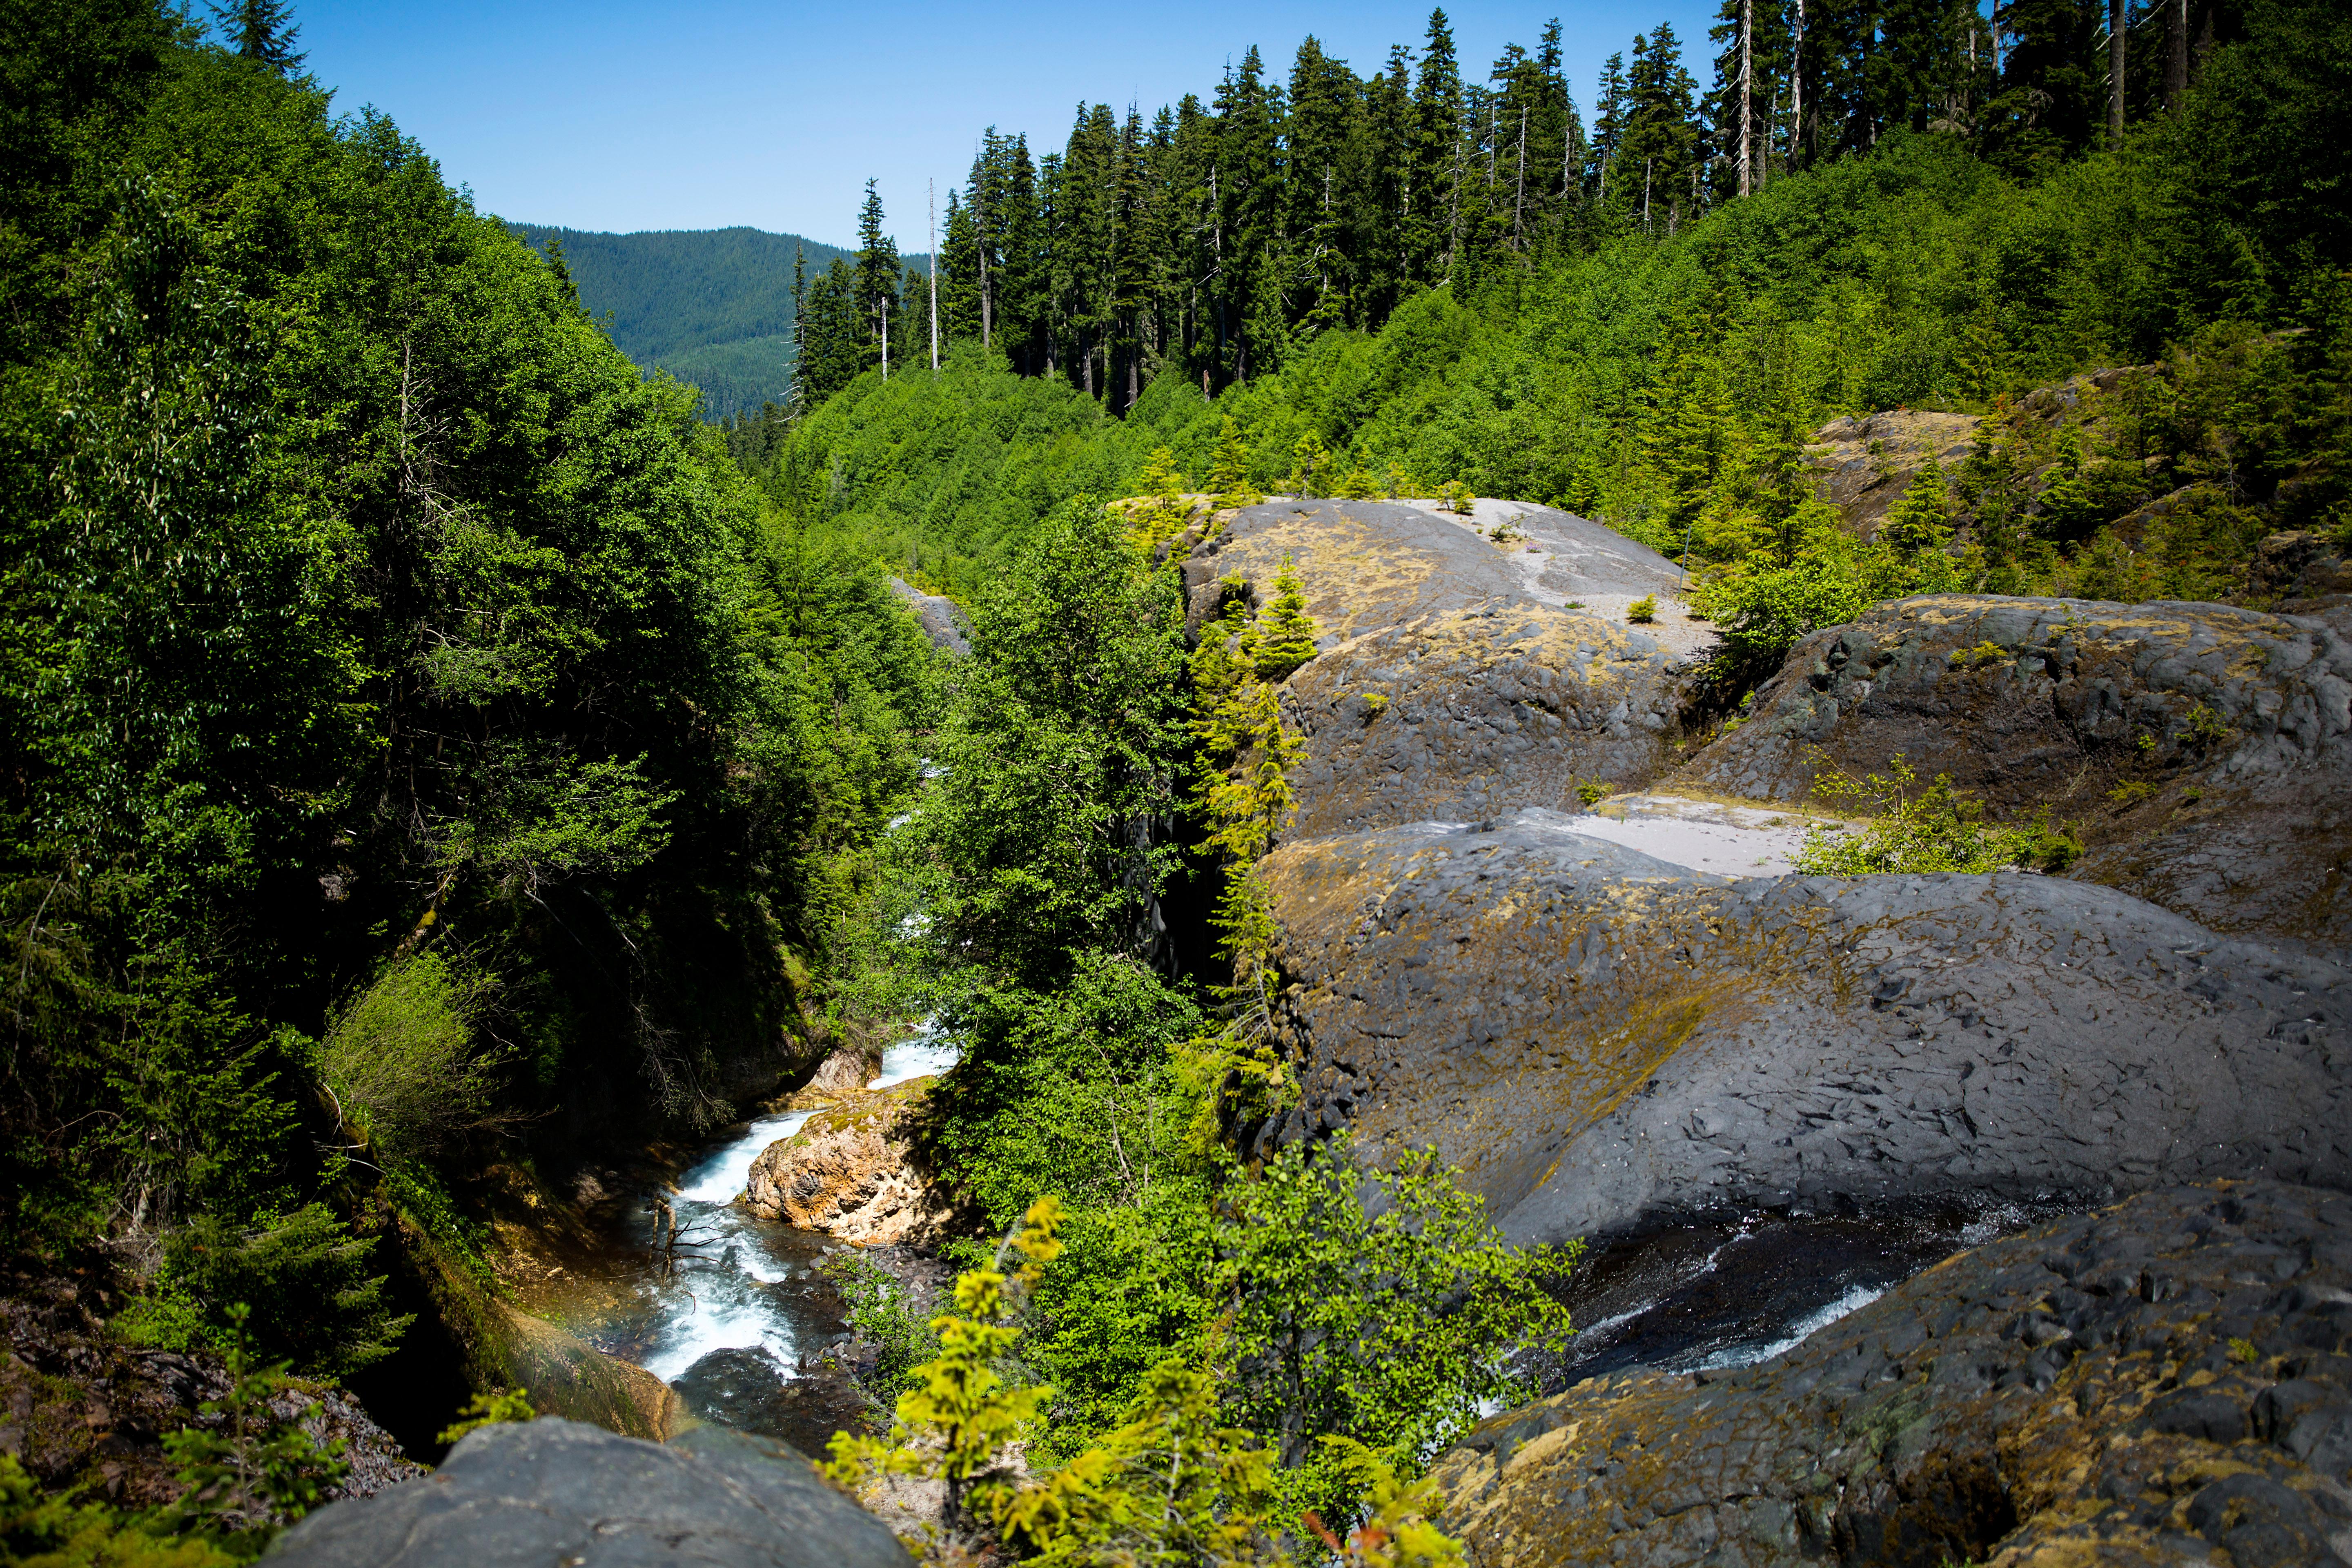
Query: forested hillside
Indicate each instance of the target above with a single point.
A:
(711, 307)
(1941, 236)
(425, 750)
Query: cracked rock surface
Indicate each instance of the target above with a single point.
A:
(553, 1491)
(1608, 1045)
(2168, 1381)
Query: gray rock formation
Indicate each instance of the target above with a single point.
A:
(555, 1492)
(941, 618)
(2201, 749)
(2162, 1382)
(1608, 1045)
(1452, 684)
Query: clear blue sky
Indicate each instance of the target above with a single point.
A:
(606, 116)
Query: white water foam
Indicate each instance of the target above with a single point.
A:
(720, 1178)
(722, 1299)
(919, 1055)
(1856, 1297)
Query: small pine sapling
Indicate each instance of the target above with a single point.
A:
(1308, 462)
(259, 1470)
(1229, 470)
(1288, 637)
(1643, 610)
(496, 1408)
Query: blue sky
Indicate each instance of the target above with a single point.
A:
(606, 116)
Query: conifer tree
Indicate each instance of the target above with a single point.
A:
(1286, 640)
(877, 281)
(1229, 470)
(262, 30)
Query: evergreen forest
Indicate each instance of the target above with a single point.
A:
(713, 308)
(441, 755)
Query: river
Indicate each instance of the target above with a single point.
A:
(736, 1324)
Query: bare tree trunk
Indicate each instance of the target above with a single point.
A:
(2116, 47)
(885, 337)
(980, 237)
(1746, 87)
(933, 186)
(1797, 86)
(1647, 164)
(2176, 63)
(1519, 198)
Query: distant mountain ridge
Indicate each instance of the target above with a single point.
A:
(710, 306)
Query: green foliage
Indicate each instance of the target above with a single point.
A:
(1063, 732)
(878, 1312)
(42, 1531)
(954, 1422)
(1643, 610)
(1173, 1484)
(301, 1280)
(1229, 468)
(1915, 829)
(1385, 1315)
(372, 626)
(401, 1062)
(1286, 632)
(1396, 1530)
(259, 1470)
(492, 1410)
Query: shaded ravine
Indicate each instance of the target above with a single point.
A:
(737, 1322)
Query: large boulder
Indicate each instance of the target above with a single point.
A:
(850, 1171)
(2203, 751)
(2169, 1381)
(1454, 681)
(556, 1491)
(1606, 1044)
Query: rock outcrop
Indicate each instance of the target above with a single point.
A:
(1609, 1045)
(849, 1171)
(941, 618)
(2201, 749)
(1454, 682)
(1862, 465)
(555, 1492)
(2166, 1382)
(82, 1411)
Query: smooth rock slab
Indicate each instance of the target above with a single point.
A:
(553, 1492)
(2164, 1382)
(1451, 681)
(1608, 1045)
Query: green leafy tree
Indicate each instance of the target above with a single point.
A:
(1385, 1322)
(1065, 738)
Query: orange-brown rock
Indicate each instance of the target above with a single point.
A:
(849, 1171)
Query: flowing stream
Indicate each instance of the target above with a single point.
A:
(746, 1308)
(737, 1325)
